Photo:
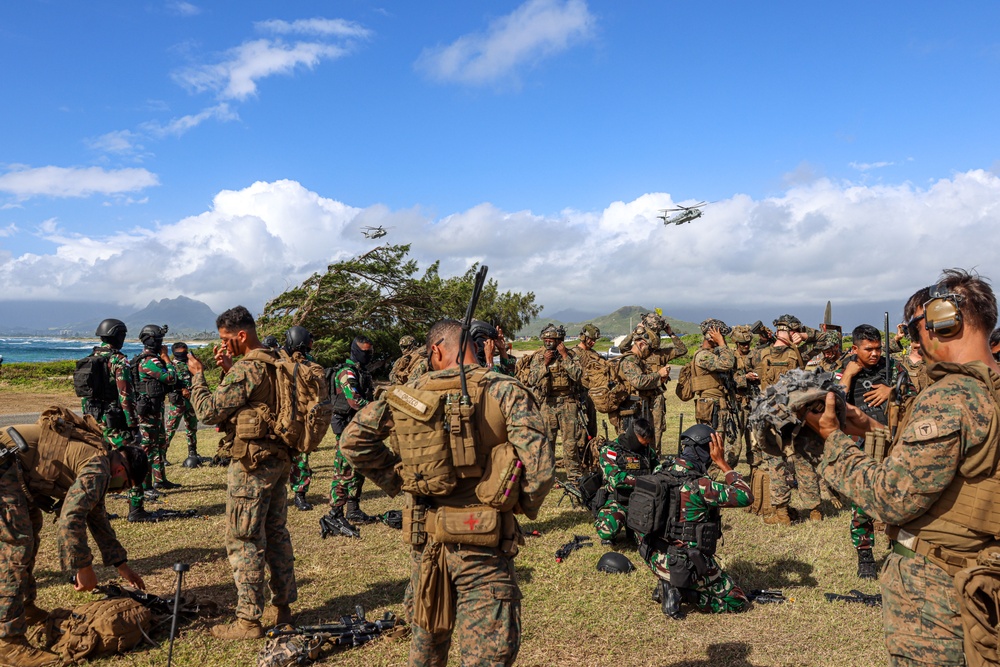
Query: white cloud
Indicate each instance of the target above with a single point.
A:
(25, 182)
(824, 240)
(183, 8)
(533, 31)
(868, 166)
(122, 142)
(9, 230)
(176, 127)
(314, 26)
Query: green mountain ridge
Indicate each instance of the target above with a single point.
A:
(618, 323)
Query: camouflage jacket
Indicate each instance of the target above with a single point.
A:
(362, 442)
(184, 377)
(821, 365)
(771, 361)
(247, 381)
(121, 371)
(560, 377)
(719, 361)
(949, 423)
(354, 383)
(699, 496)
(618, 465)
(401, 367)
(744, 365)
(636, 374)
(153, 368)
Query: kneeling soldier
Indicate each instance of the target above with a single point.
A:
(630, 456)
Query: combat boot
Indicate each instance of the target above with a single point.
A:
(815, 514)
(241, 628)
(670, 601)
(33, 614)
(17, 652)
(301, 503)
(278, 614)
(866, 564)
(355, 515)
(140, 515)
(166, 485)
(780, 516)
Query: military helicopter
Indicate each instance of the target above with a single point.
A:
(374, 232)
(681, 214)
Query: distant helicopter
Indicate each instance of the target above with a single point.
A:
(374, 232)
(681, 214)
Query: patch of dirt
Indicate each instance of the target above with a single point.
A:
(15, 403)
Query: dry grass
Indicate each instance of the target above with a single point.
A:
(571, 613)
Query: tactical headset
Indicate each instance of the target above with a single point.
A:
(941, 313)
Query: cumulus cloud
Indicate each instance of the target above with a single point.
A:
(844, 241)
(868, 166)
(25, 182)
(535, 30)
(314, 26)
(183, 8)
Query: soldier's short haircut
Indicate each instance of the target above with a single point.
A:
(447, 332)
(995, 337)
(361, 339)
(180, 345)
(643, 429)
(979, 303)
(919, 298)
(865, 332)
(237, 318)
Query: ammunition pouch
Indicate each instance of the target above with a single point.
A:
(415, 525)
(501, 483)
(147, 406)
(251, 425)
(706, 411)
(477, 525)
(877, 443)
(682, 572)
(705, 535)
(151, 388)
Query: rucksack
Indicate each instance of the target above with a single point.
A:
(91, 377)
(685, 382)
(304, 411)
(100, 628)
(607, 390)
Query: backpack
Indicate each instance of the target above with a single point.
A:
(100, 628)
(607, 390)
(91, 378)
(685, 382)
(304, 411)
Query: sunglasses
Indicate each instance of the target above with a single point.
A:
(913, 327)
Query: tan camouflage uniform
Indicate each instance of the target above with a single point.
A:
(713, 369)
(256, 487)
(746, 389)
(584, 358)
(557, 387)
(485, 592)
(951, 437)
(644, 386)
(659, 357)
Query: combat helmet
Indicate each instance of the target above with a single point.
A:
(553, 331)
(712, 323)
(270, 341)
(112, 332)
(654, 322)
(827, 340)
(615, 563)
(298, 339)
(778, 412)
(407, 342)
(152, 335)
(590, 331)
(787, 323)
(742, 334)
(694, 444)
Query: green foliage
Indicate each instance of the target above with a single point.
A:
(39, 375)
(379, 295)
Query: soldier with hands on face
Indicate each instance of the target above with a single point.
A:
(462, 534)
(714, 388)
(644, 383)
(622, 460)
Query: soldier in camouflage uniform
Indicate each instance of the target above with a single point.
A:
(714, 388)
(554, 378)
(629, 456)
(353, 389)
(401, 367)
(257, 480)
(586, 358)
(678, 552)
(644, 384)
(456, 587)
(75, 473)
(828, 353)
(924, 488)
(154, 378)
(179, 408)
(746, 390)
(912, 379)
(298, 345)
(769, 364)
(118, 414)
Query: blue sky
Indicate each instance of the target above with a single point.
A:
(226, 150)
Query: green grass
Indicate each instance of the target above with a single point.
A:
(43, 376)
(572, 614)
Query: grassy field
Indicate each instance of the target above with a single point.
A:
(572, 614)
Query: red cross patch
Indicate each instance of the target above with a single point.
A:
(472, 522)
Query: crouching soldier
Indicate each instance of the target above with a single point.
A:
(61, 465)
(679, 544)
(628, 457)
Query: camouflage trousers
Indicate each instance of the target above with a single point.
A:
(154, 444)
(177, 413)
(805, 476)
(920, 613)
(862, 529)
(659, 420)
(717, 591)
(562, 416)
(257, 534)
(744, 435)
(20, 525)
(301, 475)
(487, 602)
(610, 520)
(347, 482)
(716, 413)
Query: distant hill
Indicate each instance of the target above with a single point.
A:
(187, 318)
(613, 324)
(184, 316)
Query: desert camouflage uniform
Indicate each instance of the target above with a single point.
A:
(950, 431)
(746, 390)
(119, 369)
(769, 363)
(712, 404)
(152, 368)
(658, 357)
(81, 483)
(256, 487)
(914, 382)
(486, 596)
(300, 475)
(356, 385)
(643, 385)
(179, 408)
(716, 590)
(620, 467)
(400, 372)
(557, 387)
(584, 358)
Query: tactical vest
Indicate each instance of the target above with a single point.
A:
(248, 426)
(774, 361)
(444, 443)
(365, 389)
(147, 386)
(641, 363)
(706, 384)
(972, 501)
(863, 382)
(636, 465)
(655, 512)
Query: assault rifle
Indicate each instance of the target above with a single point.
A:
(578, 542)
(571, 491)
(300, 645)
(856, 596)
(761, 596)
(333, 525)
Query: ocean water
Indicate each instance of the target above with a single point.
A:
(55, 349)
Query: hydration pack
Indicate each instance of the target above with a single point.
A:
(605, 386)
(685, 382)
(92, 378)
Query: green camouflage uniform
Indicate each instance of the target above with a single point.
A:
(485, 592)
(119, 369)
(256, 487)
(713, 404)
(620, 467)
(81, 481)
(179, 408)
(347, 482)
(716, 590)
(151, 368)
(557, 387)
(949, 432)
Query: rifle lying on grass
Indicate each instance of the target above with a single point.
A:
(578, 542)
(300, 645)
(856, 596)
(333, 525)
(760, 596)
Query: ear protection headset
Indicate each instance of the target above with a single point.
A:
(941, 312)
